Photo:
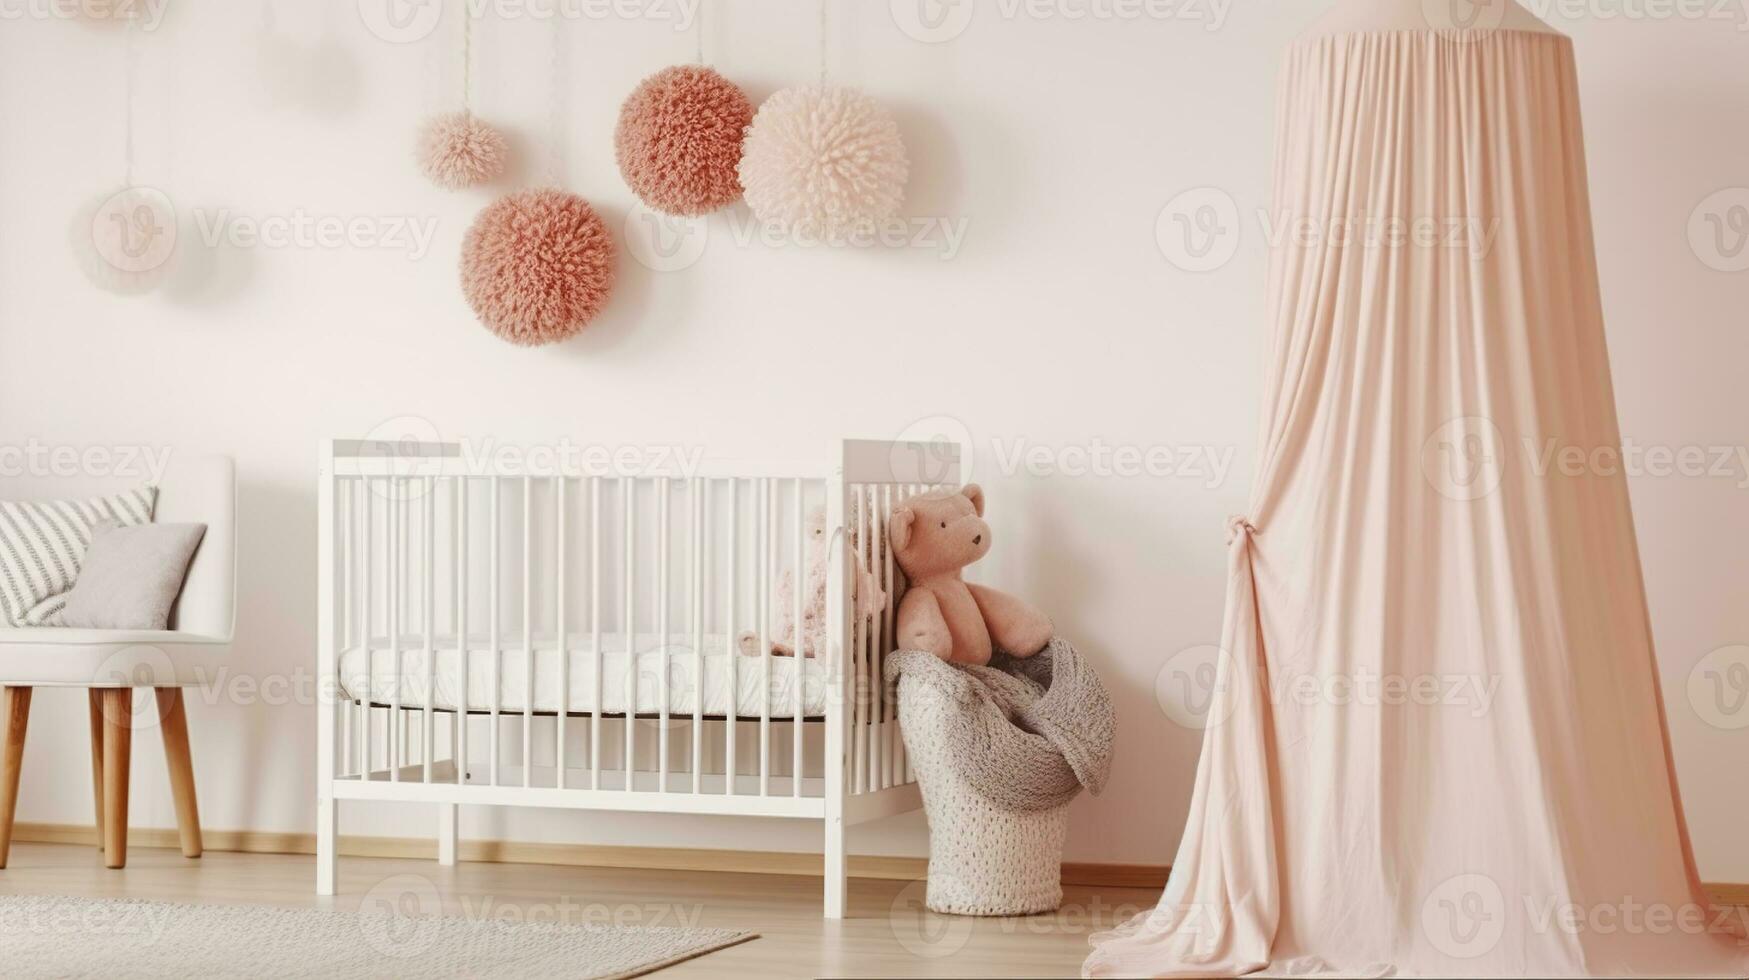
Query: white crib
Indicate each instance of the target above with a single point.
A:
(438, 576)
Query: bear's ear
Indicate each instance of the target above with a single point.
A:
(975, 494)
(899, 528)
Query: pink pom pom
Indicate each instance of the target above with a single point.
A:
(537, 266)
(456, 151)
(678, 141)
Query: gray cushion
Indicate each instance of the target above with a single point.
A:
(131, 576)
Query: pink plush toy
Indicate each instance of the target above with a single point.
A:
(868, 597)
(934, 537)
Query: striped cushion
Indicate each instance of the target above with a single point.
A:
(42, 545)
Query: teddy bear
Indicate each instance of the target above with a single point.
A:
(934, 536)
(867, 594)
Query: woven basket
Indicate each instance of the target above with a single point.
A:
(982, 860)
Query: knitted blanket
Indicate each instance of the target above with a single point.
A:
(1031, 732)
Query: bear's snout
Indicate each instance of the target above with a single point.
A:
(978, 539)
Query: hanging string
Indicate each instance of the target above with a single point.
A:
(698, 31)
(555, 116)
(823, 26)
(130, 65)
(467, 60)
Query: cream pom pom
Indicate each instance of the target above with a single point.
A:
(824, 162)
(124, 241)
(456, 150)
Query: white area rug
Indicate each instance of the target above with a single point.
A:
(80, 937)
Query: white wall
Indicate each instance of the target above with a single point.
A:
(1058, 322)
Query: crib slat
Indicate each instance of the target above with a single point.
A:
(496, 641)
(696, 590)
(887, 618)
(528, 658)
(343, 515)
(662, 491)
(887, 709)
(877, 742)
(563, 643)
(629, 582)
(397, 532)
(802, 584)
(427, 558)
(461, 625)
(364, 537)
(763, 607)
(732, 713)
(861, 646)
(595, 629)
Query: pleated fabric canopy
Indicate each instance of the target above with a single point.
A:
(1438, 745)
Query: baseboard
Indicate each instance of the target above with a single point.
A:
(1144, 876)
(573, 855)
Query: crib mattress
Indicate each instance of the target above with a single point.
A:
(369, 671)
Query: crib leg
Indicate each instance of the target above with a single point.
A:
(447, 833)
(327, 845)
(836, 872)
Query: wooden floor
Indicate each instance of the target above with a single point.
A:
(887, 934)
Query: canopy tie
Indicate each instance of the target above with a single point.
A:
(1238, 524)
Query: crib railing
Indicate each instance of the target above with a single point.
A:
(432, 565)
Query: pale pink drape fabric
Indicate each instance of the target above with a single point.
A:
(1439, 746)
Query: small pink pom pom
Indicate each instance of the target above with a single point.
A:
(537, 266)
(678, 141)
(456, 150)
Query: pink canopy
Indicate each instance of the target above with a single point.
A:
(1439, 745)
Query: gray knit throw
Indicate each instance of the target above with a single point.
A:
(1033, 730)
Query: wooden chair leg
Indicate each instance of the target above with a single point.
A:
(118, 737)
(174, 723)
(16, 703)
(95, 699)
